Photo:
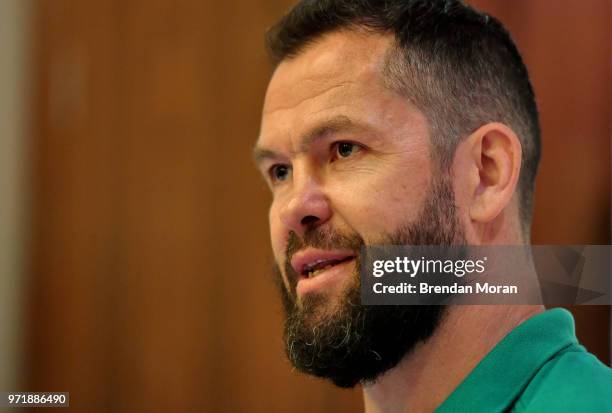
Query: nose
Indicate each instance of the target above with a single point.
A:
(307, 207)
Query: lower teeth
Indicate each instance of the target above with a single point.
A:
(318, 271)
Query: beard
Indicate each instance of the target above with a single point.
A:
(349, 343)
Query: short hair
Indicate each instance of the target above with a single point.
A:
(457, 65)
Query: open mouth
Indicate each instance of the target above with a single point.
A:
(315, 268)
(320, 269)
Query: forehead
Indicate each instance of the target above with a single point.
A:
(340, 72)
(336, 59)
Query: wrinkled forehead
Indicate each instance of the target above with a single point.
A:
(342, 69)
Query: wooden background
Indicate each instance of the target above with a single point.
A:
(148, 280)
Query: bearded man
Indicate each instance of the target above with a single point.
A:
(409, 122)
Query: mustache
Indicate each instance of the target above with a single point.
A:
(320, 238)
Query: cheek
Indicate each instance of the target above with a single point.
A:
(277, 234)
(379, 203)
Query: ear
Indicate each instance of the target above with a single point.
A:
(496, 154)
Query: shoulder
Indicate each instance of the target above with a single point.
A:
(572, 381)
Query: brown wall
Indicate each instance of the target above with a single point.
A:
(149, 255)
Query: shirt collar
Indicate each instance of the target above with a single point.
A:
(500, 378)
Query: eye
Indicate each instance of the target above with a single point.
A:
(279, 172)
(345, 149)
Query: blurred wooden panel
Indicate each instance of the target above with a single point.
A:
(74, 237)
(149, 287)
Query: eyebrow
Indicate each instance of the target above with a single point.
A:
(340, 123)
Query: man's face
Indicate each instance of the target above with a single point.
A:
(346, 154)
(348, 162)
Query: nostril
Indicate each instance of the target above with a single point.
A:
(309, 220)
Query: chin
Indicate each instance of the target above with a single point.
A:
(319, 306)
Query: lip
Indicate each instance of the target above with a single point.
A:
(325, 278)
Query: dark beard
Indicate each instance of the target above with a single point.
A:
(351, 343)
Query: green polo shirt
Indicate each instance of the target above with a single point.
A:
(538, 367)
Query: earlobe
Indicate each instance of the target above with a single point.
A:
(496, 154)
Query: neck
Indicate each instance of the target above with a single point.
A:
(428, 375)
